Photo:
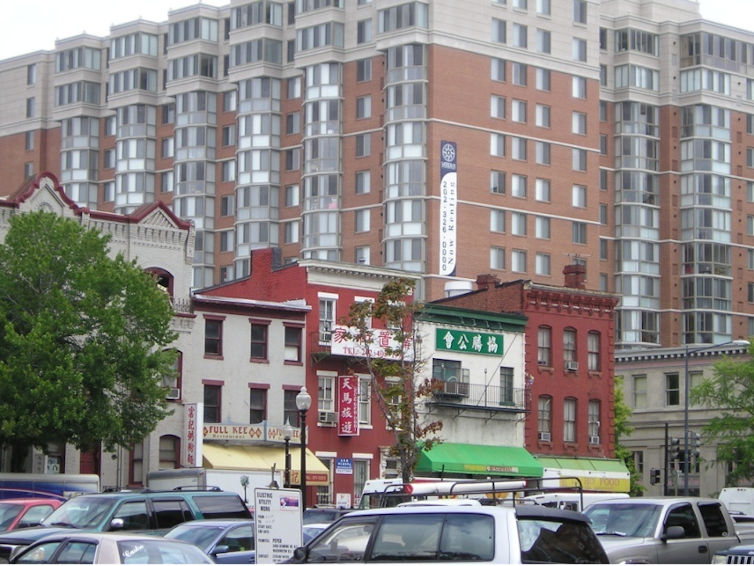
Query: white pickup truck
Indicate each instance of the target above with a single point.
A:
(667, 530)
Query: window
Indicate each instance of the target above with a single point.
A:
(518, 184)
(544, 346)
(228, 205)
(579, 11)
(578, 196)
(518, 261)
(569, 345)
(543, 41)
(292, 230)
(579, 160)
(506, 386)
(362, 220)
(498, 30)
(578, 87)
(213, 337)
(363, 182)
(520, 36)
(518, 111)
(543, 153)
(579, 233)
(292, 123)
(497, 220)
(497, 107)
(640, 391)
(569, 420)
(30, 107)
(518, 148)
(497, 145)
(542, 227)
(578, 123)
(362, 255)
(542, 190)
(603, 249)
(364, 31)
(293, 88)
(544, 418)
(594, 421)
(292, 352)
(497, 182)
(290, 410)
(291, 195)
(363, 70)
(259, 340)
(169, 452)
(672, 390)
(257, 405)
(603, 144)
(227, 240)
(543, 79)
(212, 398)
(229, 135)
(229, 170)
(28, 169)
(603, 111)
(498, 69)
(326, 393)
(326, 319)
(31, 74)
(136, 465)
(497, 258)
(363, 145)
(579, 49)
(519, 71)
(365, 414)
(29, 141)
(543, 7)
(363, 107)
(542, 114)
(542, 264)
(518, 223)
(594, 362)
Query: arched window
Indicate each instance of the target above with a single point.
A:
(544, 418)
(164, 279)
(593, 345)
(170, 452)
(544, 346)
(569, 345)
(173, 382)
(569, 420)
(136, 465)
(594, 421)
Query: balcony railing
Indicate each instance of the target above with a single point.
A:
(481, 397)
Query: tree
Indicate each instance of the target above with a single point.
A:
(396, 380)
(82, 339)
(623, 429)
(730, 393)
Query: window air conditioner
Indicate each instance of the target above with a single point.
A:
(544, 436)
(594, 440)
(328, 417)
(173, 393)
(572, 366)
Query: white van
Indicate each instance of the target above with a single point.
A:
(571, 500)
(738, 499)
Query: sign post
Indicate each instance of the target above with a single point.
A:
(278, 521)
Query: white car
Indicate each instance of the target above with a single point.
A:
(72, 547)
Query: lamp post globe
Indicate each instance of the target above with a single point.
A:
(303, 403)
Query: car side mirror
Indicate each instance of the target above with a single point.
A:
(300, 554)
(221, 549)
(674, 532)
(116, 524)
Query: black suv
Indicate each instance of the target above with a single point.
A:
(152, 512)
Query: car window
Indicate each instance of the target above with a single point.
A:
(468, 537)
(77, 552)
(714, 520)
(34, 516)
(414, 536)
(171, 512)
(197, 535)
(344, 542)
(134, 515)
(159, 552)
(40, 554)
(80, 512)
(624, 519)
(239, 539)
(545, 540)
(221, 507)
(8, 512)
(683, 516)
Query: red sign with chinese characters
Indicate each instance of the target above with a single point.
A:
(348, 405)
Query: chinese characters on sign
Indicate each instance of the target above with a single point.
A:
(192, 437)
(471, 342)
(344, 344)
(348, 405)
(448, 203)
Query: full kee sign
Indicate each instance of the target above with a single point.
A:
(348, 405)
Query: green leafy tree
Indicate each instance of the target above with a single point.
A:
(396, 381)
(623, 430)
(730, 393)
(81, 340)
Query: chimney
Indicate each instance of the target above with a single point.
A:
(575, 276)
(486, 281)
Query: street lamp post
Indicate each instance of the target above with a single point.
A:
(687, 390)
(303, 402)
(287, 435)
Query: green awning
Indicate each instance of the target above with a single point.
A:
(596, 464)
(453, 458)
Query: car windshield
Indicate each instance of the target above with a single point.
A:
(623, 519)
(199, 535)
(8, 512)
(159, 552)
(80, 513)
(566, 542)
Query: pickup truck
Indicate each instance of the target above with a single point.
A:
(665, 530)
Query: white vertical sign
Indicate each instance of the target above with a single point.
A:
(448, 205)
(278, 523)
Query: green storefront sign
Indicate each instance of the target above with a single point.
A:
(467, 341)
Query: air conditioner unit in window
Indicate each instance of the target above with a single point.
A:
(544, 436)
(594, 440)
(328, 417)
(572, 366)
(173, 393)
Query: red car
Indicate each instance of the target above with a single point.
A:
(21, 513)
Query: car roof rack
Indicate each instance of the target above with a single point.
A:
(196, 488)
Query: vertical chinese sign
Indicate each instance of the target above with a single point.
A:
(348, 405)
(448, 203)
(192, 434)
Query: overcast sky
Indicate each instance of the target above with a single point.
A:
(31, 25)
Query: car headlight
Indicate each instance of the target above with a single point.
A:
(720, 559)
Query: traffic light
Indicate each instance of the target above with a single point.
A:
(654, 476)
(696, 442)
(674, 450)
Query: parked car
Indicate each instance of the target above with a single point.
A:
(325, 514)
(23, 513)
(227, 541)
(311, 530)
(147, 512)
(667, 530)
(739, 554)
(467, 532)
(108, 548)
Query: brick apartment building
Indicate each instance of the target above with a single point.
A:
(616, 134)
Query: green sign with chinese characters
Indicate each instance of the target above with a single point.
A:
(466, 341)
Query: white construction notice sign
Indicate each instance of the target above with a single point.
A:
(278, 518)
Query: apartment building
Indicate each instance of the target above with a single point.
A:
(445, 138)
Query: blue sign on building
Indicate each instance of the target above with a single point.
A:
(344, 466)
